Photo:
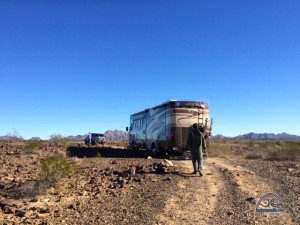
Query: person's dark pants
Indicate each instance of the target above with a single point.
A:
(197, 161)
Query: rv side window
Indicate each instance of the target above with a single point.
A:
(138, 122)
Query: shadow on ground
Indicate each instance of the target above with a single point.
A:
(90, 152)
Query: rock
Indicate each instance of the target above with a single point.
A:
(7, 202)
(160, 170)
(168, 162)
(19, 213)
(230, 213)
(140, 169)
(251, 172)
(33, 200)
(10, 178)
(33, 215)
(132, 171)
(251, 199)
(47, 200)
(71, 206)
(53, 191)
(43, 210)
(139, 180)
(112, 186)
(149, 157)
(8, 209)
(290, 169)
(115, 172)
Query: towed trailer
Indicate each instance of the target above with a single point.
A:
(164, 128)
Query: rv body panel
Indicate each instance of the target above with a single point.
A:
(165, 127)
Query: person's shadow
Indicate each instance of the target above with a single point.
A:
(186, 175)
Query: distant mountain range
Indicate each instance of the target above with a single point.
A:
(123, 135)
(109, 134)
(261, 136)
(6, 137)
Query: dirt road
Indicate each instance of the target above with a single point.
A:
(226, 194)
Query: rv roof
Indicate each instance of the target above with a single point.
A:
(172, 100)
(189, 104)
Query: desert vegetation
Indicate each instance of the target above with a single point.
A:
(256, 149)
(53, 168)
(58, 140)
(64, 181)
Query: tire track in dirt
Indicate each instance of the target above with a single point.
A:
(226, 194)
(196, 198)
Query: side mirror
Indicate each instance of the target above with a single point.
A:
(127, 129)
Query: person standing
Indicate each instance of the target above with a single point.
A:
(90, 138)
(196, 144)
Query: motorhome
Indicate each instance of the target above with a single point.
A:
(164, 128)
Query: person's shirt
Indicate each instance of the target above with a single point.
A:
(196, 139)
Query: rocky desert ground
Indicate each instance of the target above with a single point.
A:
(50, 183)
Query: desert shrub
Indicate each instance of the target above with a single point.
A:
(254, 155)
(98, 155)
(267, 144)
(279, 143)
(237, 141)
(291, 144)
(251, 144)
(275, 155)
(290, 150)
(57, 140)
(219, 148)
(53, 168)
(15, 135)
(32, 146)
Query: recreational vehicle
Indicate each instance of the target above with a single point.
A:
(164, 128)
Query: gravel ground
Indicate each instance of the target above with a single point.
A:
(114, 185)
(285, 180)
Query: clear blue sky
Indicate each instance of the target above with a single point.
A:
(70, 67)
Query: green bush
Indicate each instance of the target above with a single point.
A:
(267, 144)
(53, 168)
(219, 148)
(57, 140)
(289, 150)
(251, 143)
(33, 146)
